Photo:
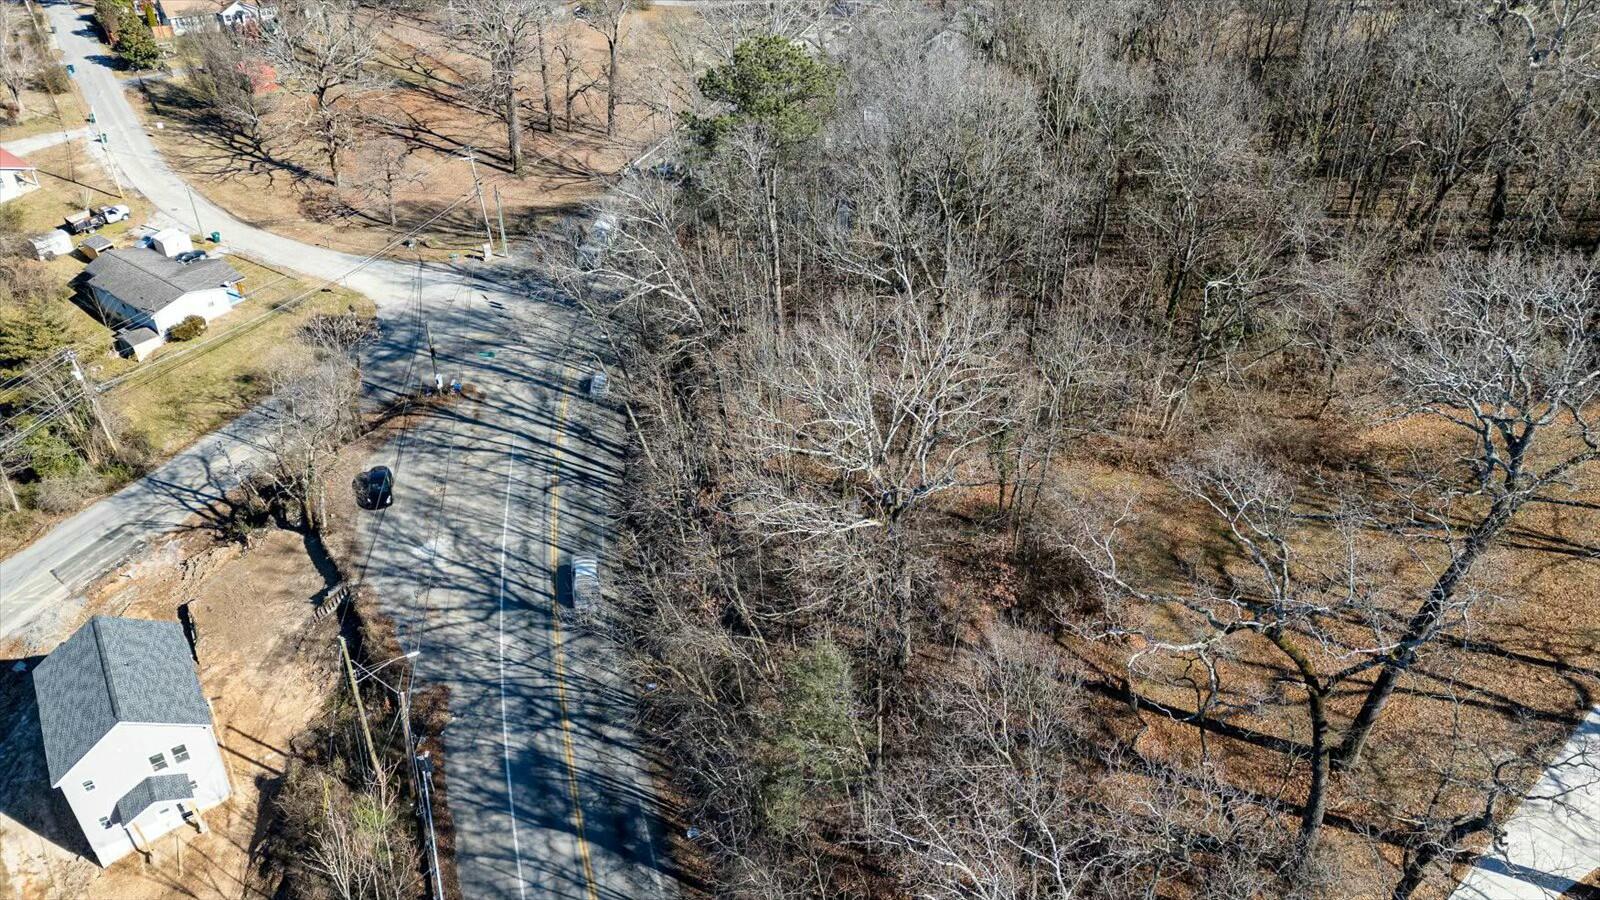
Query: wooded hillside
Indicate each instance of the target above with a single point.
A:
(1113, 449)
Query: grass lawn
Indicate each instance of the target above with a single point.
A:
(185, 390)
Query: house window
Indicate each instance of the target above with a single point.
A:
(105, 822)
(88, 786)
(180, 753)
(158, 762)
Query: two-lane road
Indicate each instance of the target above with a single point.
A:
(550, 795)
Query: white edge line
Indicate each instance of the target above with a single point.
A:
(505, 729)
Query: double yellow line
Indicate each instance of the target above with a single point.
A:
(560, 655)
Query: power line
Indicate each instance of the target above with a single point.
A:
(171, 360)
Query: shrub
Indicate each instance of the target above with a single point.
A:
(61, 494)
(187, 330)
(55, 79)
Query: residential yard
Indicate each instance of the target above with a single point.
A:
(262, 665)
(268, 665)
(183, 390)
(279, 184)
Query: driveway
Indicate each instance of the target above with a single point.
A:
(24, 146)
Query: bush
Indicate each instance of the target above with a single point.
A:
(62, 494)
(134, 42)
(55, 79)
(187, 330)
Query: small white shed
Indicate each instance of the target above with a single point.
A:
(169, 242)
(51, 244)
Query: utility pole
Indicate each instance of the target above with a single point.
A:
(89, 396)
(361, 709)
(483, 207)
(433, 356)
(426, 766)
(196, 210)
(10, 494)
(500, 211)
(111, 164)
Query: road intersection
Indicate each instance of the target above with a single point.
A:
(549, 791)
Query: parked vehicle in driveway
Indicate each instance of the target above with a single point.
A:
(374, 488)
(585, 584)
(117, 213)
(83, 222)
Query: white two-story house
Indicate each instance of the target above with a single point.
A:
(142, 292)
(128, 735)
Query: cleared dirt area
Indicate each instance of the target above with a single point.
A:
(263, 666)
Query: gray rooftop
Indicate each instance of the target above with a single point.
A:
(148, 281)
(155, 789)
(136, 336)
(112, 671)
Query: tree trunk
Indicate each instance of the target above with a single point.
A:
(775, 262)
(1316, 804)
(1422, 625)
(611, 81)
(544, 84)
(513, 113)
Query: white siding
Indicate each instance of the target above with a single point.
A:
(207, 304)
(120, 761)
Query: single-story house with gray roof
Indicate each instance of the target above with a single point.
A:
(128, 734)
(141, 288)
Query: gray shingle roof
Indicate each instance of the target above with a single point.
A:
(136, 336)
(148, 281)
(111, 671)
(155, 789)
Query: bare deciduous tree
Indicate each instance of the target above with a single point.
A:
(321, 49)
(505, 35)
(1506, 349)
(606, 18)
(313, 409)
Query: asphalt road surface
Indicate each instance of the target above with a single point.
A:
(549, 792)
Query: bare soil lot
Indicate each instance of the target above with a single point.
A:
(266, 676)
(268, 666)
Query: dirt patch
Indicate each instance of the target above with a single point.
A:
(264, 668)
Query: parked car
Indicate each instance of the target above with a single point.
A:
(585, 584)
(189, 256)
(83, 223)
(117, 213)
(374, 488)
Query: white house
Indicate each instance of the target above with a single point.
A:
(187, 16)
(17, 176)
(143, 290)
(128, 735)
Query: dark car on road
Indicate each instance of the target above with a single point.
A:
(374, 488)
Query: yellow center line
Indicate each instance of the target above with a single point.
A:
(560, 656)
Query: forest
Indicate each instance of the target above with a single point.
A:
(1130, 448)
